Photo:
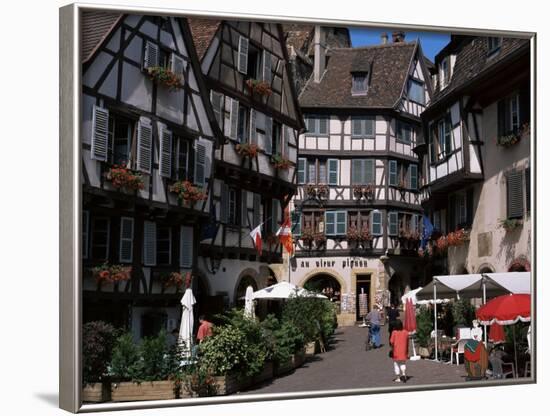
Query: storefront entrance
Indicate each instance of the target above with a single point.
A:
(325, 284)
(362, 285)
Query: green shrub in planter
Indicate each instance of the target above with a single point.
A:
(98, 339)
(281, 338)
(424, 326)
(125, 362)
(463, 313)
(154, 363)
(308, 314)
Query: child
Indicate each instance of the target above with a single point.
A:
(399, 341)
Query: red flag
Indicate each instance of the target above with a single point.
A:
(285, 234)
(256, 235)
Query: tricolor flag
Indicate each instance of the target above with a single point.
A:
(256, 235)
(285, 234)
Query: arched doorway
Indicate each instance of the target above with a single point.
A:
(396, 286)
(520, 264)
(240, 291)
(326, 284)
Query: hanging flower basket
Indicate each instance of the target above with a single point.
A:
(247, 150)
(174, 279)
(279, 162)
(111, 273)
(259, 87)
(164, 76)
(510, 224)
(186, 191)
(123, 178)
(511, 138)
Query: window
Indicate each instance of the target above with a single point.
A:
(254, 63)
(376, 223)
(404, 132)
(301, 175)
(182, 158)
(120, 137)
(508, 115)
(359, 83)
(126, 240)
(186, 247)
(441, 139)
(362, 171)
(314, 221)
(317, 125)
(164, 245)
(335, 222)
(312, 171)
(296, 223)
(322, 172)
(100, 238)
(243, 126)
(392, 223)
(444, 72)
(333, 171)
(232, 206)
(362, 126)
(413, 177)
(416, 91)
(218, 105)
(392, 167)
(514, 193)
(493, 45)
(360, 220)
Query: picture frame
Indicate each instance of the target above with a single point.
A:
(71, 207)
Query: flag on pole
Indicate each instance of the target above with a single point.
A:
(285, 234)
(428, 230)
(256, 235)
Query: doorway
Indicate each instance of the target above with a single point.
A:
(362, 285)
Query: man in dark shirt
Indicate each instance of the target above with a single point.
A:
(393, 314)
(374, 317)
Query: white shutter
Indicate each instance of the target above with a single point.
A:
(217, 104)
(149, 243)
(267, 67)
(234, 117)
(177, 65)
(186, 247)
(243, 55)
(287, 131)
(151, 56)
(268, 135)
(253, 139)
(200, 164)
(144, 145)
(100, 130)
(165, 159)
(85, 233)
(126, 239)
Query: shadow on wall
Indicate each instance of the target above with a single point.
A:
(508, 245)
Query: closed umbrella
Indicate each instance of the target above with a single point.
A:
(186, 327)
(496, 333)
(249, 303)
(410, 324)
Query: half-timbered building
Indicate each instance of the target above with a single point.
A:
(357, 208)
(476, 159)
(148, 138)
(246, 68)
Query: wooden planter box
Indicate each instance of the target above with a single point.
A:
(295, 361)
(298, 359)
(96, 392)
(266, 374)
(227, 384)
(311, 348)
(147, 390)
(423, 352)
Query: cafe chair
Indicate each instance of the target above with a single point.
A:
(502, 369)
(457, 349)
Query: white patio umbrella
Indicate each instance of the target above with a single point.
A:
(285, 290)
(186, 327)
(249, 303)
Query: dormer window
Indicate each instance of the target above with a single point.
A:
(493, 45)
(445, 72)
(359, 83)
(416, 91)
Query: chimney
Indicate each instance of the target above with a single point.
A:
(398, 36)
(319, 50)
(384, 38)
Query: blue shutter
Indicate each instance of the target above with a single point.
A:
(368, 171)
(126, 239)
(341, 222)
(368, 126)
(332, 171)
(323, 126)
(356, 126)
(392, 223)
(296, 223)
(330, 223)
(376, 223)
(392, 172)
(186, 247)
(413, 176)
(301, 171)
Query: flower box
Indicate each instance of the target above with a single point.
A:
(186, 191)
(112, 273)
(279, 162)
(259, 87)
(266, 374)
(96, 392)
(247, 150)
(164, 76)
(227, 384)
(360, 191)
(123, 178)
(174, 279)
(146, 390)
(512, 137)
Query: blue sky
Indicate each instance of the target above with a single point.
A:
(431, 42)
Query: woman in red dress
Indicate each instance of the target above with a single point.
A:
(399, 341)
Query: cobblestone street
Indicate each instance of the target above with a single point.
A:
(348, 366)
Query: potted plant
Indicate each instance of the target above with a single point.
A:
(111, 273)
(280, 162)
(424, 326)
(186, 191)
(249, 150)
(510, 224)
(164, 76)
(124, 178)
(259, 87)
(98, 339)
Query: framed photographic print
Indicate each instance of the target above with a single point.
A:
(261, 209)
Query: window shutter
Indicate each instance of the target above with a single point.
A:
(392, 173)
(356, 126)
(177, 65)
(100, 130)
(268, 135)
(301, 171)
(126, 239)
(312, 171)
(217, 104)
(341, 222)
(257, 206)
(244, 208)
(330, 222)
(369, 175)
(286, 139)
(414, 223)
(186, 247)
(85, 233)
(151, 56)
(432, 138)
(469, 206)
(224, 201)
(515, 195)
(149, 243)
(144, 145)
(448, 134)
(323, 125)
(275, 215)
(296, 223)
(376, 223)
(267, 67)
(413, 177)
(392, 223)
(501, 115)
(368, 126)
(528, 190)
(243, 55)
(253, 139)
(200, 164)
(333, 171)
(356, 171)
(165, 168)
(234, 117)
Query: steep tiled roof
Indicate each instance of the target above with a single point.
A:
(95, 26)
(388, 67)
(472, 60)
(203, 30)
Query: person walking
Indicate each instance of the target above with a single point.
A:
(205, 329)
(393, 314)
(374, 318)
(399, 342)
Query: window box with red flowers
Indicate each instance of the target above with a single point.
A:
(360, 191)
(124, 178)
(322, 191)
(111, 273)
(249, 150)
(164, 76)
(307, 236)
(259, 87)
(320, 240)
(457, 238)
(174, 279)
(279, 162)
(186, 191)
(365, 237)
